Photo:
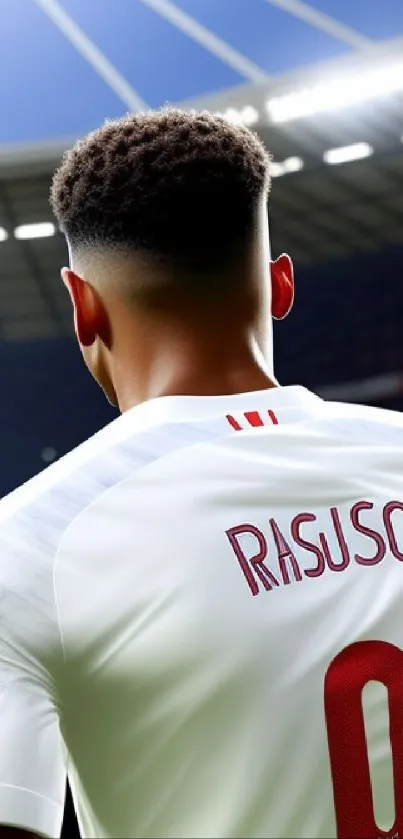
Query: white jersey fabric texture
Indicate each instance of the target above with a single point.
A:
(201, 625)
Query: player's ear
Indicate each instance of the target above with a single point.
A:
(89, 313)
(282, 286)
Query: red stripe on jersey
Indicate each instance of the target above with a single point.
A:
(235, 425)
(254, 418)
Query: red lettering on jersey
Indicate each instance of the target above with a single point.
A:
(252, 566)
(335, 566)
(345, 680)
(387, 513)
(284, 552)
(369, 532)
(291, 554)
(308, 546)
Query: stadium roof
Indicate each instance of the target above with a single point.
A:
(67, 65)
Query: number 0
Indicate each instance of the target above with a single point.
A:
(345, 679)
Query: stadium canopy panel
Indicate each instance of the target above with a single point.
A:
(67, 65)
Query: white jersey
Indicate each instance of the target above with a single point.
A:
(202, 625)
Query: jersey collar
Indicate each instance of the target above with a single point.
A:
(170, 409)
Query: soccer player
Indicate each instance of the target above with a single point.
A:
(201, 606)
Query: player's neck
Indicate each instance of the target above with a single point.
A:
(192, 370)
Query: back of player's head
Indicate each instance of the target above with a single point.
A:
(182, 189)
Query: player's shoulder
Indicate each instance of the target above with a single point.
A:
(74, 469)
(35, 517)
(379, 423)
(32, 521)
(61, 490)
(42, 508)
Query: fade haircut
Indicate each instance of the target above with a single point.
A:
(181, 187)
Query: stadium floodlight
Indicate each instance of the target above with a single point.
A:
(35, 231)
(244, 116)
(290, 164)
(345, 154)
(3, 234)
(249, 114)
(293, 164)
(337, 93)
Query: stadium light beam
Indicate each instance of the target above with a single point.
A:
(290, 164)
(245, 116)
(35, 231)
(345, 154)
(337, 93)
(3, 234)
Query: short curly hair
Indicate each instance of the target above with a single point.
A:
(181, 186)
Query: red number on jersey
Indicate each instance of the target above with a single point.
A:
(345, 679)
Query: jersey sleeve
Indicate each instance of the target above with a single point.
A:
(32, 764)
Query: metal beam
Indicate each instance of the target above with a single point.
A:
(326, 23)
(208, 40)
(92, 55)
